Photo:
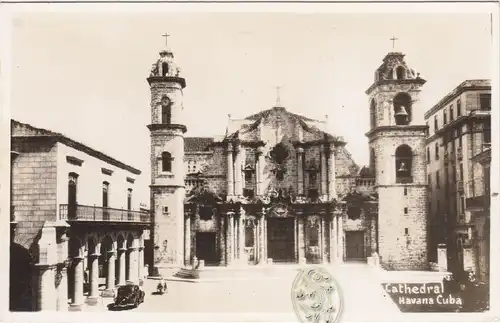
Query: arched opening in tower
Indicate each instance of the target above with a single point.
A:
(372, 113)
(404, 161)
(402, 104)
(400, 73)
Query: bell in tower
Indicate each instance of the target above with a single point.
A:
(401, 116)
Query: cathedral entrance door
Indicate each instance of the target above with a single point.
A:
(280, 239)
(206, 248)
(355, 245)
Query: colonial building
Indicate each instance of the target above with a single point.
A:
(479, 206)
(277, 187)
(459, 128)
(73, 211)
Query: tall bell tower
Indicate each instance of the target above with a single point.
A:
(397, 157)
(167, 156)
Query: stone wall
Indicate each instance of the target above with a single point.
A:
(403, 237)
(34, 188)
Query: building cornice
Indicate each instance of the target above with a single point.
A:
(376, 130)
(80, 147)
(456, 123)
(167, 79)
(162, 126)
(419, 81)
(468, 85)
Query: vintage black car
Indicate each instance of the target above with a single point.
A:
(129, 295)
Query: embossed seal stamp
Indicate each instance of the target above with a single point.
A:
(316, 296)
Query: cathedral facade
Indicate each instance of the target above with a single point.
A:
(277, 187)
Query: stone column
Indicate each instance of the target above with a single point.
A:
(229, 240)
(264, 237)
(140, 261)
(187, 240)
(332, 191)
(300, 171)
(46, 288)
(260, 233)
(133, 265)
(222, 240)
(324, 187)
(261, 164)
(295, 238)
(121, 266)
(323, 241)
(230, 169)
(77, 297)
(301, 241)
(333, 239)
(238, 185)
(241, 235)
(93, 279)
(340, 240)
(257, 172)
(110, 277)
(62, 290)
(256, 243)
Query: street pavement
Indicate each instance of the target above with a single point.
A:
(364, 299)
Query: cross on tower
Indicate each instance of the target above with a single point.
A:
(393, 41)
(278, 96)
(166, 38)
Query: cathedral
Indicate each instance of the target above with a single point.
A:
(278, 188)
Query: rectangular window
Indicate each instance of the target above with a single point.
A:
(436, 150)
(165, 210)
(451, 113)
(444, 117)
(436, 126)
(459, 108)
(405, 191)
(428, 155)
(461, 172)
(485, 101)
(462, 204)
(427, 131)
(454, 174)
(406, 231)
(406, 210)
(438, 185)
(429, 181)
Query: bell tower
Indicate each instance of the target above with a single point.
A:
(397, 158)
(167, 156)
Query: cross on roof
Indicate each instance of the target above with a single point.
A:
(393, 41)
(166, 38)
(278, 95)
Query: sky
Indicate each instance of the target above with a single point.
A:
(84, 75)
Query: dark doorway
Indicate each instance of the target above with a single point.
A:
(355, 245)
(206, 248)
(281, 239)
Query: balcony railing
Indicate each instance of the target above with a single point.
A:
(459, 153)
(486, 146)
(460, 186)
(100, 214)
